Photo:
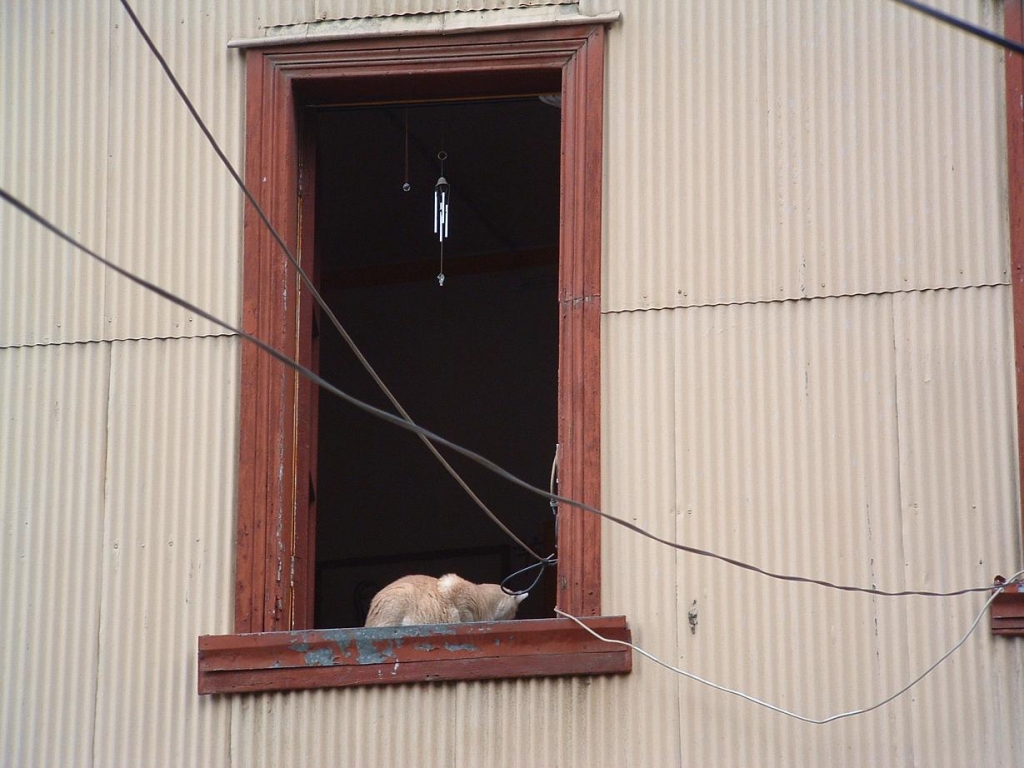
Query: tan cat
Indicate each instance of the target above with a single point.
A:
(449, 599)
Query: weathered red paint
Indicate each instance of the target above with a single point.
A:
(345, 657)
(1006, 614)
(1013, 15)
(275, 515)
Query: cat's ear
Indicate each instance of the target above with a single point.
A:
(520, 598)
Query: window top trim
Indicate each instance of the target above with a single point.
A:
(443, 23)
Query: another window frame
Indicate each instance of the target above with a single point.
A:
(1006, 615)
(274, 547)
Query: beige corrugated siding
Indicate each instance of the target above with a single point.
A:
(638, 379)
(175, 213)
(53, 409)
(792, 181)
(792, 149)
(55, 77)
(166, 568)
(956, 403)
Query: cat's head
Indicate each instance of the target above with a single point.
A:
(479, 602)
(501, 605)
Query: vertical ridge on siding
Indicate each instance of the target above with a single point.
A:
(54, 80)
(52, 410)
(167, 571)
(389, 725)
(787, 445)
(957, 464)
(639, 456)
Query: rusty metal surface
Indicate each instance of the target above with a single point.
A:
(1007, 614)
(324, 658)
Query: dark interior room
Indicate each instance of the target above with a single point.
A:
(474, 359)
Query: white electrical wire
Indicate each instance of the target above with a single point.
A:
(795, 715)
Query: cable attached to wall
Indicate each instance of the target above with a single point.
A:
(410, 426)
(429, 438)
(804, 718)
(315, 378)
(965, 26)
(552, 559)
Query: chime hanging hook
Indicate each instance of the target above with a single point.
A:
(406, 186)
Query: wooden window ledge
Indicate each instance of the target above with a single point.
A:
(1007, 612)
(334, 658)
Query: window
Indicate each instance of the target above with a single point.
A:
(291, 92)
(1007, 612)
(475, 358)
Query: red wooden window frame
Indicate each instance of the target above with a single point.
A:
(274, 648)
(1007, 611)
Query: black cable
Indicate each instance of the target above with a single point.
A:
(437, 439)
(965, 26)
(309, 283)
(429, 438)
(543, 566)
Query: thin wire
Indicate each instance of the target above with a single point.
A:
(428, 438)
(965, 26)
(551, 559)
(543, 566)
(437, 439)
(788, 713)
(410, 426)
(406, 186)
(309, 283)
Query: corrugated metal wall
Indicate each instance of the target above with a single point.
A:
(807, 364)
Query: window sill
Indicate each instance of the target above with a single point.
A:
(336, 658)
(1007, 612)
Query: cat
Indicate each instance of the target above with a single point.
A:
(447, 600)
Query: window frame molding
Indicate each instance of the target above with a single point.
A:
(1006, 615)
(274, 551)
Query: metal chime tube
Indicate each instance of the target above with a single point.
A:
(441, 197)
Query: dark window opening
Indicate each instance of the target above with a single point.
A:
(475, 360)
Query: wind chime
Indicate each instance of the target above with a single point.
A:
(442, 194)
